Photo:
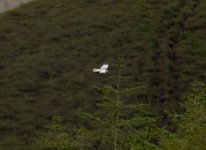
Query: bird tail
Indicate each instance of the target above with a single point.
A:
(96, 70)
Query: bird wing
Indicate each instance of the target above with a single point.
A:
(104, 67)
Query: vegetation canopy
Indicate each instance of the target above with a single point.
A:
(48, 49)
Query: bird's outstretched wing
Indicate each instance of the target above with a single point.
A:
(104, 67)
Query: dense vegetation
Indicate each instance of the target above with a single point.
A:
(48, 49)
(141, 132)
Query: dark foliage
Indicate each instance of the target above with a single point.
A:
(49, 47)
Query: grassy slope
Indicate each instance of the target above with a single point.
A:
(48, 49)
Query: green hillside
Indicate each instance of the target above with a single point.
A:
(49, 47)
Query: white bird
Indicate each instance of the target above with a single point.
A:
(103, 69)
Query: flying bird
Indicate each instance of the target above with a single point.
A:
(103, 69)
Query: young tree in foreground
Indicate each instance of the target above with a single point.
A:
(120, 121)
